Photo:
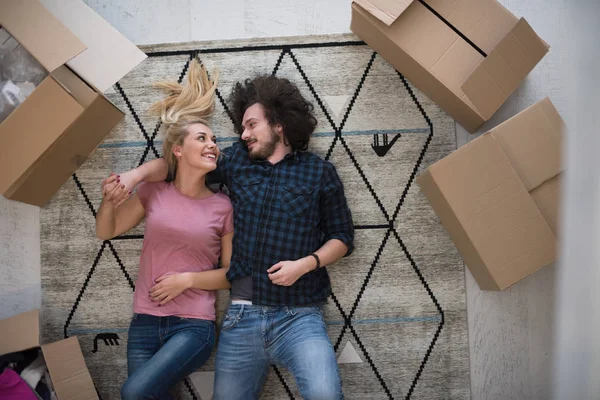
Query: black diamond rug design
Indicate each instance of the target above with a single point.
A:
(397, 316)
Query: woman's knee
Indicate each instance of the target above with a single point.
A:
(134, 390)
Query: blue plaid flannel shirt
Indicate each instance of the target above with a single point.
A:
(283, 212)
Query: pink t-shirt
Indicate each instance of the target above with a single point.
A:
(182, 234)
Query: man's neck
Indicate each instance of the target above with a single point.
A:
(279, 154)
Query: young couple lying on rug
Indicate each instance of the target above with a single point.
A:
(291, 219)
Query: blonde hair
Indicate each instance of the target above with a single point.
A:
(184, 105)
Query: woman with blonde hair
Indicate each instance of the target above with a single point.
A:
(188, 228)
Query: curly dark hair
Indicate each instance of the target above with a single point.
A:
(283, 103)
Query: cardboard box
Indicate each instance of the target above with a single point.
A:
(70, 376)
(468, 56)
(498, 195)
(66, 117)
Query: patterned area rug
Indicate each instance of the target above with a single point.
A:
(398, 314)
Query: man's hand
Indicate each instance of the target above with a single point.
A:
(122, 188)
(168, 287)
(286, 273)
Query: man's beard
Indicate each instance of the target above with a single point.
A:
(266, 149)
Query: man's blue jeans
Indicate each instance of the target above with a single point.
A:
(254, 337)
(162, 351)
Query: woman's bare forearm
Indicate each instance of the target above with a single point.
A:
(152, 171)
(105, 221)
(213, 279)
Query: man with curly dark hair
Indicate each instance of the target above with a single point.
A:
(291, 218)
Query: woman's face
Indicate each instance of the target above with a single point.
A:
(199, 149)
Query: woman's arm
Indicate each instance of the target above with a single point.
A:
(215, 278)
(113, 221)
(170, 286)
(151, 171)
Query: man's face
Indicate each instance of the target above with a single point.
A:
(260, 137)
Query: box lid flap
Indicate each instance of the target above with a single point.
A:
(547, 198)
(20, 332)
(67, 154)
(487, 197)
(532, 141)
(70, 376)
(456, 230)
(47, 39)
(500, 73)
(387, 11)
(31, 129)
(109, 55)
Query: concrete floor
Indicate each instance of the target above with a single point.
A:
(510, 333)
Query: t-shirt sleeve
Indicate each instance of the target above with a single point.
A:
(228, 221)
(143, 191)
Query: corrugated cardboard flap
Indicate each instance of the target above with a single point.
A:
(456, 229)
(70, 376)
(32, 128)
(547, 198)
(500, 73)
(20, 332)
(67, 154)
(489, 214)
(109, 55)
(387, 11)
(49, 41)
(532, 141)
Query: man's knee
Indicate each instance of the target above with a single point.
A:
(221, 392)
(238, 385)
(321, 383)
(231, 391)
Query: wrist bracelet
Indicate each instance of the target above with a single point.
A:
(318, 261)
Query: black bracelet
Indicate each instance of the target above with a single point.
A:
(318, 261)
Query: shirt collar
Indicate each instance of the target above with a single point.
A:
(292, 156)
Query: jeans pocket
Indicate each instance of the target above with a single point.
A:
(232, 317)
(293, 311)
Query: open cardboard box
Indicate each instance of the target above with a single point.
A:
(498, 196)
(70, 377)
(468, 56)
(66, 117)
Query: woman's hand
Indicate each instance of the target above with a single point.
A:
(122, 187)
(168, 287)
(111, 189)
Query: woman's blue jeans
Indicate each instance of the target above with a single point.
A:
(162, 351)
